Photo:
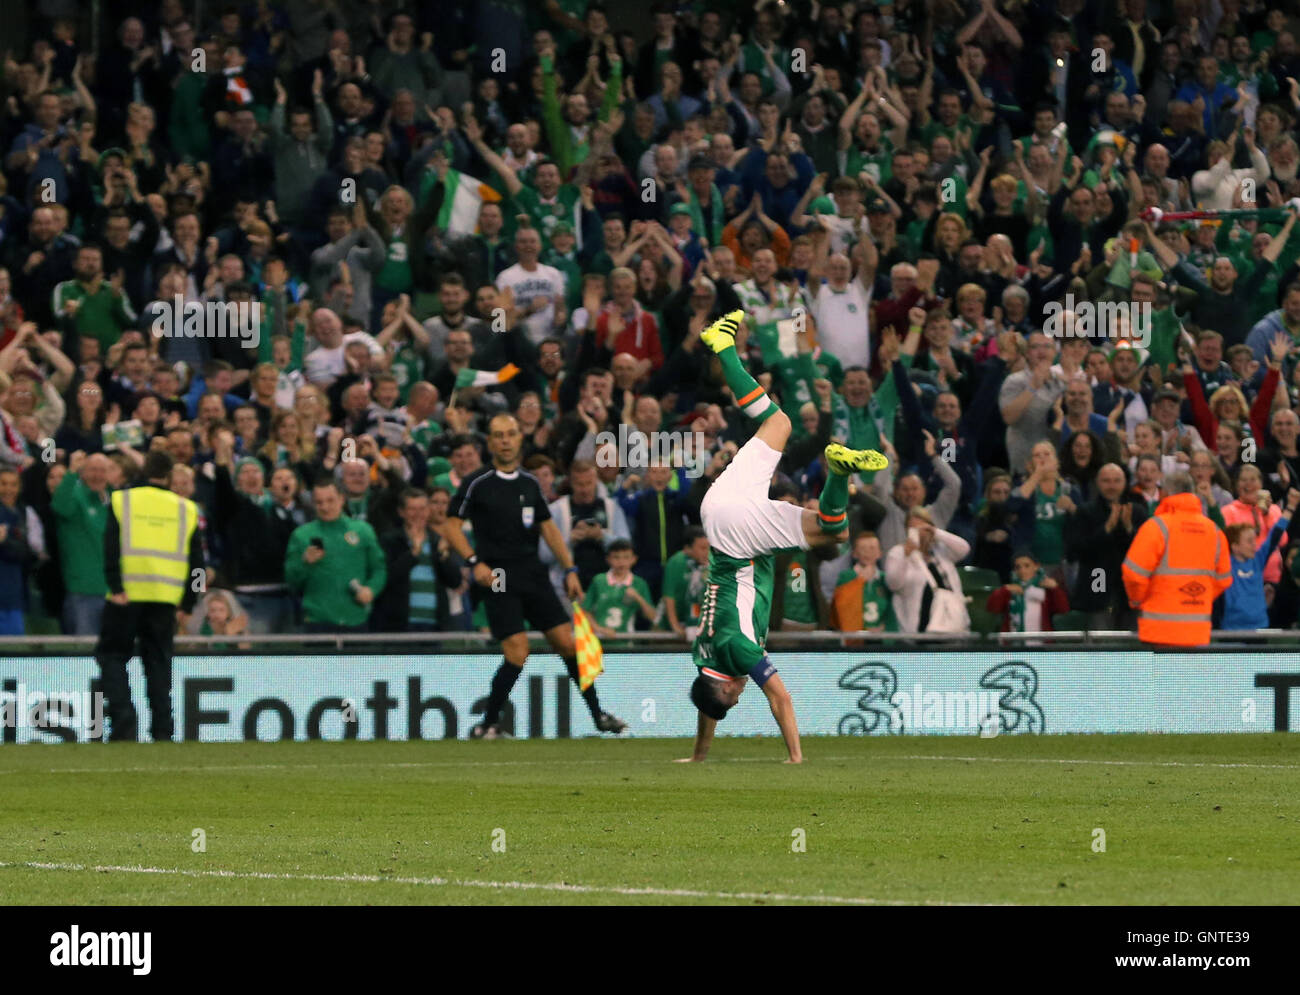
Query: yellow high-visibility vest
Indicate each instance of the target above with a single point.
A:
(155, 527)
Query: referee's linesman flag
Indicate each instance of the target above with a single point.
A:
(590, 656)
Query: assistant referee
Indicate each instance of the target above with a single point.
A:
(152, 554)
(508, 512)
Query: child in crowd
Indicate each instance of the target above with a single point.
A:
(1028, 603)
(1245, 603)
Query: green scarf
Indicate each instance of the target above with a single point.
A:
(713, 231)
(1018, 602)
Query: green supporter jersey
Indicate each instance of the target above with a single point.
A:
(877, 164)
(82, 516)
(798, 605)
(911, 238)
(734, 614)
(862, 428)
(877, 601)
(1165, 328)
(601, 263)
(395, 275)
(929, 132)
(610, 604)
(424, 434)
(684, 581)
(568, 265)
(754, 60)
(792, 378)
(1235, 242)
(408, 368)
(351, 553)
(543, 214)
(1049, 528)
(1262, 84)
(101, 314)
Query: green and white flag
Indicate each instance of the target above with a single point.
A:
(462, 197)
(485, 378)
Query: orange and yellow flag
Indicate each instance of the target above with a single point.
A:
(591, 658)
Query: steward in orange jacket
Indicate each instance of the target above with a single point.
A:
(1177, 565)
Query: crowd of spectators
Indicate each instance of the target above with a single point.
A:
(931, 212)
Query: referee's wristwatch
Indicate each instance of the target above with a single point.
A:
(572, 570)
(472, 559)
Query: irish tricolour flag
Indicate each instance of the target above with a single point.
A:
(485, 378)
(462, 197)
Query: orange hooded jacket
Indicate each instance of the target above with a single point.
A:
(1175, 568)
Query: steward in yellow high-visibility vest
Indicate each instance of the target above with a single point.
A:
(153, 566)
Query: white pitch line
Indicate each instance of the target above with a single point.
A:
(371, 766)
(1104, 763)
(200, 768)
(436, 882)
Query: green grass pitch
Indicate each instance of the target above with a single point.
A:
(1186, 819)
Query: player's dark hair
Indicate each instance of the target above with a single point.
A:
(704, 696)
(780, 489)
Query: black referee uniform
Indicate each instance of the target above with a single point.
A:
(506, 510)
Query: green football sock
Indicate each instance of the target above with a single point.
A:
(833, 503)
(751, 398)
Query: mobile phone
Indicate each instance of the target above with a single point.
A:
(317, 542)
